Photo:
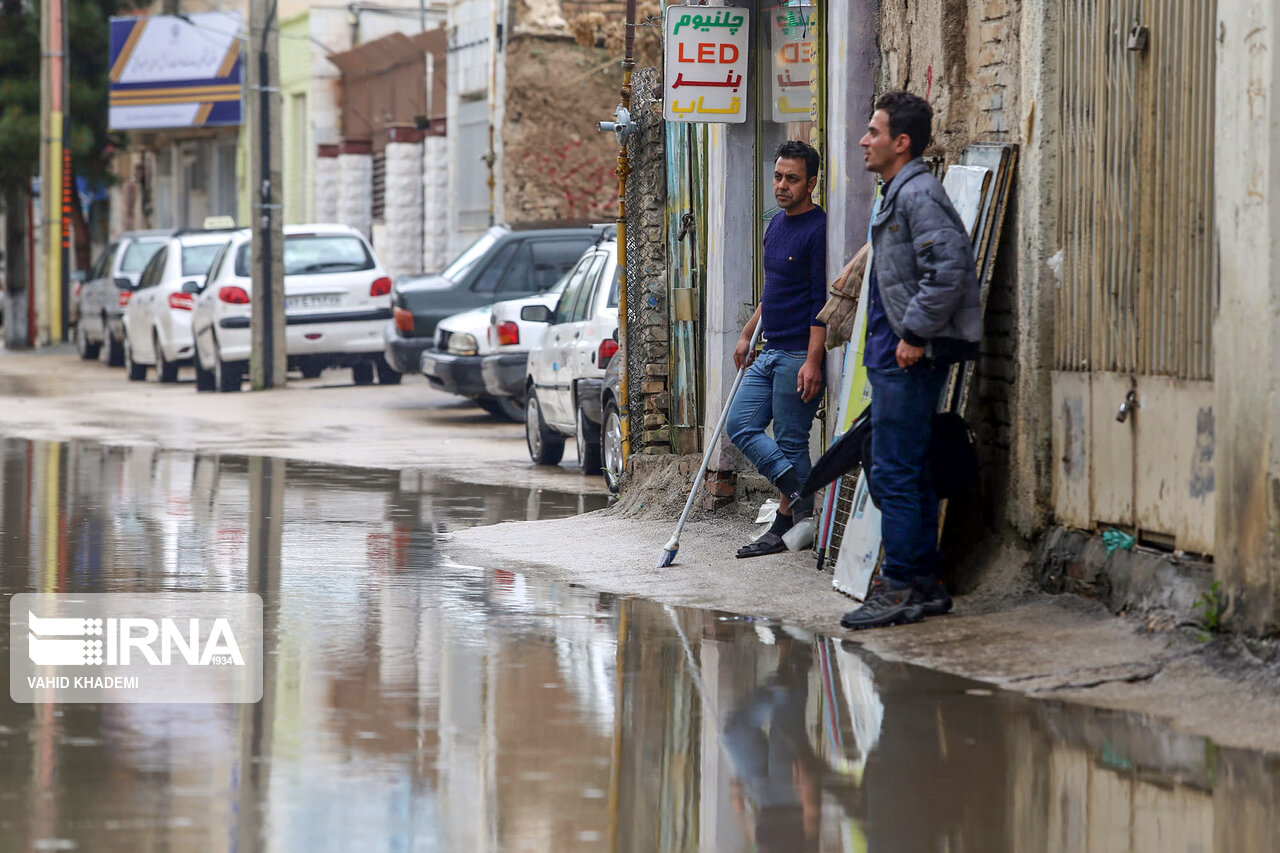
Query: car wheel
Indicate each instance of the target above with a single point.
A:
(113, 349)
(506, 408)
(311, 369)
(166, 371)
(226, 377)
(388, 375)
(136, 372)
(362, 373)
(86, 350)
(205, 380)
(611, 445)
(587, 437)
(545, 447)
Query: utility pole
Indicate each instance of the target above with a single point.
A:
(52, 100)
(267, 363)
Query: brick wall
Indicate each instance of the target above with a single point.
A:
(648, 350)
(965, 56)
(993, 25)
(993, 116)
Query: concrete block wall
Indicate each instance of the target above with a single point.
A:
(355, 187)
(435, 204)
(329, 27)
(401, 253)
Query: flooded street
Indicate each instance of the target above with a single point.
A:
(413, 703)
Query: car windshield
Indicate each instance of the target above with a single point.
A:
(196, 260)
(136, 256)
(463, 263)
(325, 253)
(309, 254)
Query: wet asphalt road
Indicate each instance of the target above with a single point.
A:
(412, 703)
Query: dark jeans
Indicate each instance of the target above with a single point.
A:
(768, 394)
(902, 406)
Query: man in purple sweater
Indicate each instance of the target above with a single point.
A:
(784, 384)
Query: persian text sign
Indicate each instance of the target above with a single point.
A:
(169, 72)
(705, 75)
(146, 647)
(794, 41)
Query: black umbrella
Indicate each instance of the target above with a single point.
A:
(842, 457)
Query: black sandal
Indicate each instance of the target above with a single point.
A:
(769, 543)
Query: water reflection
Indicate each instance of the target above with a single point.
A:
(411, 703)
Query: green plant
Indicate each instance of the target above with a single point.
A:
(1210, 605)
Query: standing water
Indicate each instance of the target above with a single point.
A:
(412, 703)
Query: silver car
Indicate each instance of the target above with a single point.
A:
(99, 330)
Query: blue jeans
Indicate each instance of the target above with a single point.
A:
(768, 393)
(902, 406)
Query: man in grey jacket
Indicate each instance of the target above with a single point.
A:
(924, 315)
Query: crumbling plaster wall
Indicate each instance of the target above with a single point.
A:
(967, 57)
(556, 164)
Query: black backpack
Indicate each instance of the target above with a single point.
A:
(953, 454)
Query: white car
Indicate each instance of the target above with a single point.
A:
(157, 318)
(101, 297)
(474, 355)
(337, 299)
(565, 374)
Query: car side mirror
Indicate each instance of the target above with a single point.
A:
(536, 314)
(191, 285)
(123, 283)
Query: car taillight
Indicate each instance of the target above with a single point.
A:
(404, 320)
(182, 301)
(508, 333)
(380, 287)
(233, 295)
(608, 349)
(124, 297)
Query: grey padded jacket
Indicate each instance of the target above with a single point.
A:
(924, 267)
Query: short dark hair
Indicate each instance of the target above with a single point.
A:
(794, 149)
(909, 114)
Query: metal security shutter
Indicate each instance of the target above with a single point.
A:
(1140, 272)
(1133, 397)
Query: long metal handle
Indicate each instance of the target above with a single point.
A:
(715, 436)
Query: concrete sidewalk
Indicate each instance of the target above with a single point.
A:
(1059, 647)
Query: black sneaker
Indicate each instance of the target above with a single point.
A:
(885, 606)
(934, 598)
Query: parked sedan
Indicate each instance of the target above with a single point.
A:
(566, 373)
(473, 356)
(336, 301)
(99, 306)
(502, 264)
(157, 318)
(611, 458)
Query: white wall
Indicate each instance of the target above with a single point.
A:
(1247, 333)
(471, 26)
